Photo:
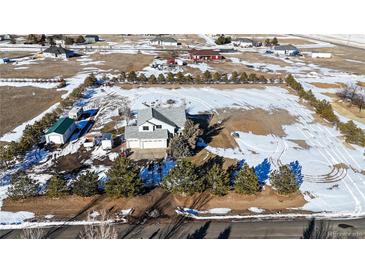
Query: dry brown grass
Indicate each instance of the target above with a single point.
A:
(340, 59)
(258, 121)
(346, 109)
(14, 54)
(361, 84)
(326, 85)
(48, 68)
(122, 61)
(20, 104)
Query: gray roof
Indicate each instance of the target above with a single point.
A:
(57, 50)
(131, 132)
(285, 47)
(164, 39)
(174, 116)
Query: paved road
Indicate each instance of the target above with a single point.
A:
(181, 228)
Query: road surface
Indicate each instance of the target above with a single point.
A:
(182, 227)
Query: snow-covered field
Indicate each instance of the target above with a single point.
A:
(332, 178)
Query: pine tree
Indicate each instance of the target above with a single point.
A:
(217, 76)
(152, 79)
(161, 79)
(123, 179)
(132, 76)
(179, 147)
(207, 76)
(191, 133)
(243, 77)
(170, 77)
(22, 186)
(183, 178)
(57, 187)
(217, 179)
(224, 78)
(284, 180)
(80, 39)
(274, 41)
(198, 79)
(180, 78)
(246, 181)
(86, 185)
(142, 78)
(234, 77)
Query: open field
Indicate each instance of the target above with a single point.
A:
(20, 104)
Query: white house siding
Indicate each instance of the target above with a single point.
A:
(51, 55)
(321, 55)
(146, 124)
(133, 143)
(170, 128)
(55, 138)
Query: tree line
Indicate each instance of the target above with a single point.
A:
(352, 133)
(202, 78)
(32, 134)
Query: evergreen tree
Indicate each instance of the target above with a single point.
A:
(246, 181)
(122, 76)
(217, 179)
(123, 179)
(243, 77)
(142, 78)
(80, 39)
(161, 79)
(86, 185)
(170, 77)
(224, 78)
(180, 78)
(179, 147)
(267, 42)
(234, 77)
(132, 76)
(22, 186)
(69, 41)
(57, 187)
(274, 41)
(198, 79)
(152, 79)
(207, 76)
(191, 133)
(183, 178)
(217, 76)
(284, 180)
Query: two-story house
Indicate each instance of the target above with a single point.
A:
(155, 126)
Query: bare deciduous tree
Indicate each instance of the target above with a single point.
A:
(32, 233)
(101, 230)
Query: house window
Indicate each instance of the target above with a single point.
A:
(158, 126)
(145, 127)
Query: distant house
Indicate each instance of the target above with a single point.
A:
(5, 60)
(75, 113)
(204, 55)
(321, 55)
(91, 39)
(164, 41)
(107, 141)
(61, 131)
(246, 43)
(154, 127)
(58, 52)
(286, 50)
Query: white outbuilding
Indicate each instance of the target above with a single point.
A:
(75, 113)
(321, 55)
(61, 131)
(107, 141)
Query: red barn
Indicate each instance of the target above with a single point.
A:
(204, 55)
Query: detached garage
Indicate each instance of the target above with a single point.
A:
(61, 131)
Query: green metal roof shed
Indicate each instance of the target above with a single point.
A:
(61, 126)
